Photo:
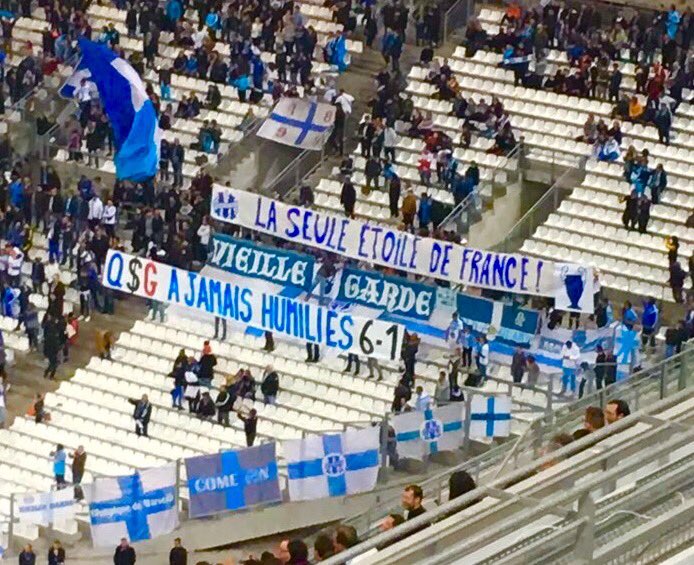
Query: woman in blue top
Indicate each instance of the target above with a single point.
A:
(59, 466)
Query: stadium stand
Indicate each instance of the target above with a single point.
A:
(468, 121)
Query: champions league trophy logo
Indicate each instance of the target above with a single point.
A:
(574, 284)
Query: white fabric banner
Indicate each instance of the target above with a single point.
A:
(490, 416)
(332, 464)
(272, 312)
(45, 508)
(395, 249)
(299, 122)
(136, 507)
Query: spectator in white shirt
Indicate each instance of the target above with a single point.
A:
(345, 100)
(483, 358)
(390, 141)
(423, 400)
(83, 93)
(204, 233)
(15, 260)
(570, 355)
(96, 211)
(108, 218)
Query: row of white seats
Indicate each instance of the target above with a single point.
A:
(283, 358)
(484, 81)
(646, 243)
(539, 120)
(355, 406)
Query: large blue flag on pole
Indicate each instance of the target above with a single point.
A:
(136, 132)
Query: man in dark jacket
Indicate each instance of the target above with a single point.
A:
(224, 403)
(124, 555)
(372, 170)
(141, 414)
(178, 554)
(208, 361)
(518, 364)
(206, 407)
(348, 198)
(250, 425)
(270, 385)
(27, 556)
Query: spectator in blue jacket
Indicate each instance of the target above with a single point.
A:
(629, 317)
(649, 322)
(424, 212)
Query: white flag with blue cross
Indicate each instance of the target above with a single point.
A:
(299, 122)
(419, 434)
(136, 507)
(490, 416)
(332, 464)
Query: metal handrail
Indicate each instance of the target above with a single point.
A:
(457, 504)
(552, 194)
(470, 198)
(540, 429)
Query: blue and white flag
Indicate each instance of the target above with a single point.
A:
(626, 350)
(490, 416)
(332, 464)
(136, 507)
(136, 132)
(74, 81)
(419, 434)
(299, 122)
(232, 479)
(45, 508)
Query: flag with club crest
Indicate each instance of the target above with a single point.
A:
(419, 434)
(332, 464)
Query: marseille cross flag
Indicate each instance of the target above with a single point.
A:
(136, 507)
(419, 434)
(232, 480)
(490, 416)
(332, 464)
(299, 123)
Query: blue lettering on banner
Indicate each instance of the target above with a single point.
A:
(271, 264)
(232, 480)
(270, 312)
(393, 248)
(395, 295)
